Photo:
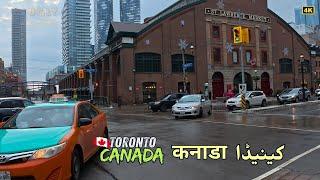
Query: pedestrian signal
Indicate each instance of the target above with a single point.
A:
(81, 74)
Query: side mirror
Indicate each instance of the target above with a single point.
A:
(84, 122)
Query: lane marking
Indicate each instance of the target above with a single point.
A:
(258, 126)
(290, 115)
(278, 168)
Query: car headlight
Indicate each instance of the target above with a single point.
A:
(48, 152)
(156, 103)
(195, 107)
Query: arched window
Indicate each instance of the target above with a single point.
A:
(148, 62)
(285, 65)
(176, 62)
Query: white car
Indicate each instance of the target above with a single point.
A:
(253, 98)
(317, 92)
(192, 105)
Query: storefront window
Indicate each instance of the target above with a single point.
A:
(285, 65)
(286, 85)
(235, 57)
(264, 57)
(176, 62)
(148, 62)
(149, 91)
(181, 86)
(217, 55)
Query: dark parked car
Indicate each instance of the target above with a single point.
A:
(11, 106)
(166, 103)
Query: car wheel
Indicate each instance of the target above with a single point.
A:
(230, 108)
(264, 103)
(176, 117)
(210, 111)
(76, 164)
(154, 110)
(163, 108)
(200, 113)
(281, 103)
(248, 105)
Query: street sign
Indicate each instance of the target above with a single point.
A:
(242, 88)
(186, 66)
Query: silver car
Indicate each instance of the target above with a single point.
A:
(293, 95)
(192, 105)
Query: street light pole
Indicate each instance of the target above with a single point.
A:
(134, 86)
(242, 65)
(256, 78)
(184, 71)
(302, 74)
(183, 45)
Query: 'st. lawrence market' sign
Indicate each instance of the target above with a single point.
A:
(237, 15)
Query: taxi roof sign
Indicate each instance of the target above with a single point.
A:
(56, 98)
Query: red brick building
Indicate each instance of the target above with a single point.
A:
(144, 61)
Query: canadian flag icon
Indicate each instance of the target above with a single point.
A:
(103, 142)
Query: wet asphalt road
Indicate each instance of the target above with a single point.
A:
(298, 129)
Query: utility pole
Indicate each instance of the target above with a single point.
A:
(242, 65)
(302, 74)
(183, 45)
(81, 76)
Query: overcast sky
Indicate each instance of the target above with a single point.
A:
(44, 30)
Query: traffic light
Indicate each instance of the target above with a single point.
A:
(245, 35)
(237, 35)
(81, 74)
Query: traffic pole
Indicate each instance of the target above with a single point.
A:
(243, 102)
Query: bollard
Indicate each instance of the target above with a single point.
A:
(243, 102)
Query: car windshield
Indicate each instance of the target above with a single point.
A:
(41, 117)
(191, 98)
(285, 91)
(166, 97)
(296, 90)
(239, 95)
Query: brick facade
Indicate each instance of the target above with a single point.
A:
(187, 20)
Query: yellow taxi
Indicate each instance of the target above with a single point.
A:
(50, 141)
